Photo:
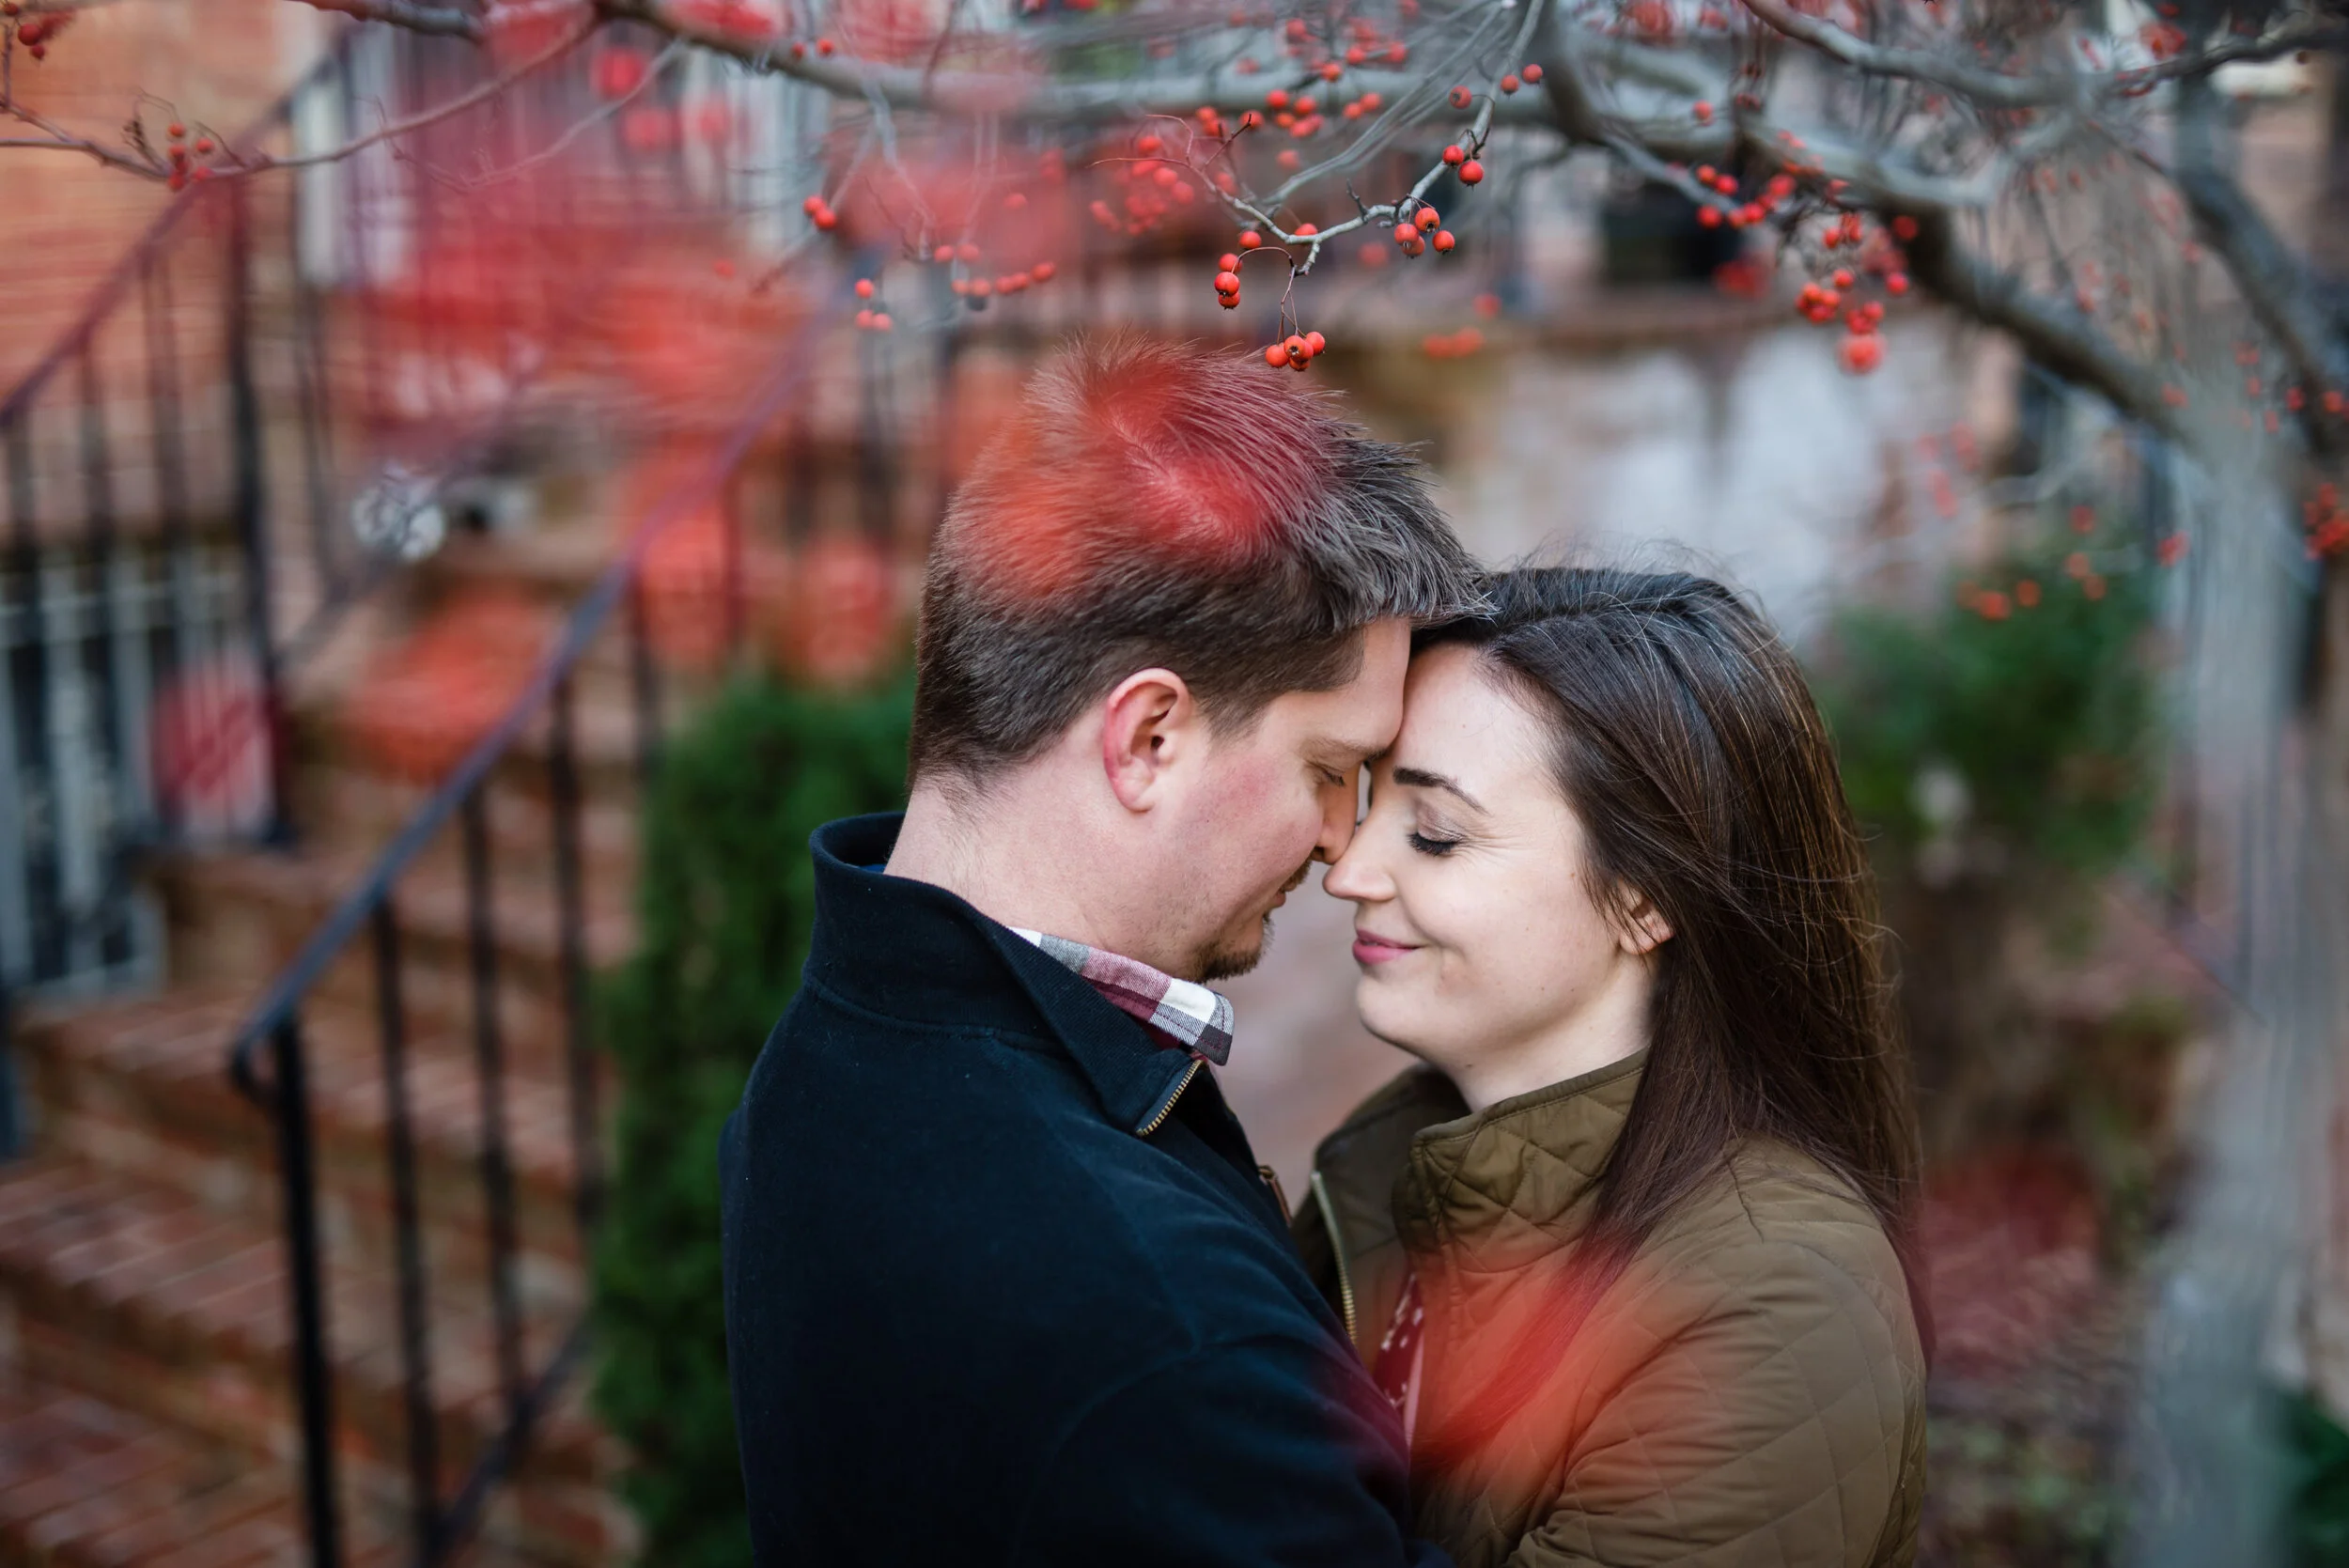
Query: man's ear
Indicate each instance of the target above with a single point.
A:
(1148, 724)
(1642, 929)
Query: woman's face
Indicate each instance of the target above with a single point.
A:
(1482, 949)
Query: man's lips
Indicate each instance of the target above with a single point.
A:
(1369, 949)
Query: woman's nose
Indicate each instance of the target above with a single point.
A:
(1355, 876)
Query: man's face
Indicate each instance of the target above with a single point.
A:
(1274, 799)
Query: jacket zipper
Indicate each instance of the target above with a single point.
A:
(1166, 1106)
(1337, 1246)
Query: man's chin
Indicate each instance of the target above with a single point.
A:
(1230, 959)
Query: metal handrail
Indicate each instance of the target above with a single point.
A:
(274, 1026)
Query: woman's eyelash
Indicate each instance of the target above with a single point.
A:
(1426, 846)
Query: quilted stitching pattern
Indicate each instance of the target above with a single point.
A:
(1751, 1392)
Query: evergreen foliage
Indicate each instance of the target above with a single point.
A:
(726, 901)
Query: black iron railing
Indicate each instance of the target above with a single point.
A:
(269, 1057)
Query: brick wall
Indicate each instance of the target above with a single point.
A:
(220, 63)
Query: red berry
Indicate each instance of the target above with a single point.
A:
(1471, 172)
(1306, 231)
(1896, 283)
(1862, 354)
(1331, 72)
(1315, 342)
(175, 131)
(1455, 155)
(1249, 119)
(1460, 98)
(1277, 99)
(1406, 235)
(1531, 73)
(1227, 262)
(1443, 241)
(827, 220)
(814, 204)
(1042, 271)
(1249, 240)
(1425, 218)
(1703, 112)
(864, 317)
(880, 321)
(1842, 278)
(1509, 83)
(1227, 283)
(865, 289)
(823, 46)
(1147, 146)
(1275, 356)
(203, 143)
(1298, 350)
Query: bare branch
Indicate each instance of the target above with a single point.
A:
(440, 21)
(81, 145)
(457, 105)
(1991, 88)
(2274, 283)
(2065, 341)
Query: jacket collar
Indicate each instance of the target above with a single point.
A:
(915, 951)
(1494, 1190)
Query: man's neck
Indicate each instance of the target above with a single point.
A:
(1010, 858)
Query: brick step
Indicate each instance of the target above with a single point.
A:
(88, 1485)
(240, 917)
(141, 1088)
(142, 1297)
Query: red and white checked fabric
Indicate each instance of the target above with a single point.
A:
(1183, 1012)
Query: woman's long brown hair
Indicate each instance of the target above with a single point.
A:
(1688, 745)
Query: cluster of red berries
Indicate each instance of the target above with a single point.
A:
(820, 212)
(182, 153)
(1455, 345)
(1468, 168)
(868, 317)
(35, 33)
(1422, 229)
(1227, 280)
(976, 291)
(823, 47)
(1295, 351)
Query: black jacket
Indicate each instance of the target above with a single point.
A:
(1004, 1284)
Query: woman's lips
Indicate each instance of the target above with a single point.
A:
(1378, 950)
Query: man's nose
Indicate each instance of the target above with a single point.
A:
(1337, 820)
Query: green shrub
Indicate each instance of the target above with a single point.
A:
(2319, 1446)
(725, 903)
(2045, 716)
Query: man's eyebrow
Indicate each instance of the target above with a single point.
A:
(1419, 777)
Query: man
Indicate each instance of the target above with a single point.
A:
(1003, 1282)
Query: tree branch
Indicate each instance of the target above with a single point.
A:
(2063, 339)
(439, 20)
(2277, 285)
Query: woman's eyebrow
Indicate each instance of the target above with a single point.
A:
(1419, 777)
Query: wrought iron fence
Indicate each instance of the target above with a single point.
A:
(270, 1059)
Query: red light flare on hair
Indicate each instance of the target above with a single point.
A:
(1139, 458)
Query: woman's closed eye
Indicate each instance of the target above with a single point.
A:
(1427, 843)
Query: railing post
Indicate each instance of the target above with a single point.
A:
(415, 1326)
(252, 500)
(313, 1384)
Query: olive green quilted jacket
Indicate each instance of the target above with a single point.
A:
(1749, 1391)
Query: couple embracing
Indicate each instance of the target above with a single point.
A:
(1617, 1275)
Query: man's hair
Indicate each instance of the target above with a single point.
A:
(1159, 505)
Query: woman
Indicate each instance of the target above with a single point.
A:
(1628, 1250)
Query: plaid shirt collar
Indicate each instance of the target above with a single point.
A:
(1181, 1012)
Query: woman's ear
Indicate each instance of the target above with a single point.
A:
(1642, 929)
